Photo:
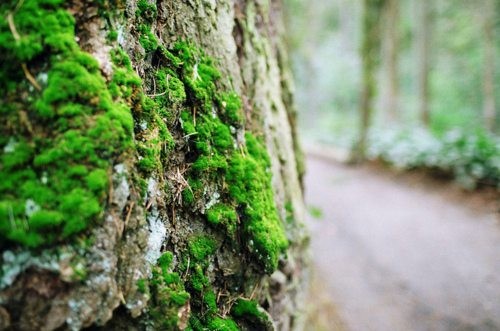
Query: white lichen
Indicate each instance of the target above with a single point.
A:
(213, 200)
(157, 235)
(121, 188)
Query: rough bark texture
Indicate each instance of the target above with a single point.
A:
(175, 235)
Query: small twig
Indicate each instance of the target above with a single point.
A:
(156, 95)
(194, 116)
(30, 77)
(189, 135)
(12, 26)
(19, 4)
(127, 218)
(150, 202)
(254, 290)
(23, 118)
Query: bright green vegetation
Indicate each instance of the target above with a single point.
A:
(201, 247)
(240, 168)
(168, 294)
(250, 311)
(225, 215)
(61, 131)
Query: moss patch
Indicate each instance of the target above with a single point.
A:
(63, 127)
(168, 295)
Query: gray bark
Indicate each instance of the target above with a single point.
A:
(245, 40)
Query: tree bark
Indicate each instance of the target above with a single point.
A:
(370, 57)
(489, 110)
(391, 50)
(423, 58)
(154, 172)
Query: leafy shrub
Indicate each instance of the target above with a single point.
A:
(472, 158)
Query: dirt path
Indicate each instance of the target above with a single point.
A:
(396, 256)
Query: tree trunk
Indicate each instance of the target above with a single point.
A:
(370, 49)
(149, 171)
(391, 51)
(489, 66)
(423, 58)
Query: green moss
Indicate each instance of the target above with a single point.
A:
(168, 295)
(210, 301)
(142, 285)
(170, 88)
(81, 126)
(201, 247)
(147, 39)
(198, 281)
(97, 180)
(224, 215)
(146, 10)
(222, 324)
(251, 311)
(230, 103)
(112, 35)
(250, 185)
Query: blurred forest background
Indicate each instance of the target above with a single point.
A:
(413, 83)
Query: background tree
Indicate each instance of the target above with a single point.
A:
(423, 45)
(148, 165)
(370, 49)
(489, 105)
(391, 58)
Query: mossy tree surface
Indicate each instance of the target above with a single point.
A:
(148, 168)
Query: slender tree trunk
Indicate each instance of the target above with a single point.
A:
(150, 179)
(370, 49)
(392, 63)
(489, 111)
(423, 8)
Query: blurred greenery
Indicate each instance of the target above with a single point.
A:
(325, 43)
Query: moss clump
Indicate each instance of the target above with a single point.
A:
(200, 247)
(230, 103)
(224, 215)
(64, 128)
(252, 312)
(168, 295)
(222, 324)
(250, 186)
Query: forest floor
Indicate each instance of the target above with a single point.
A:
(398, 251)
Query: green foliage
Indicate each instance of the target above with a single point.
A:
(472, 158)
